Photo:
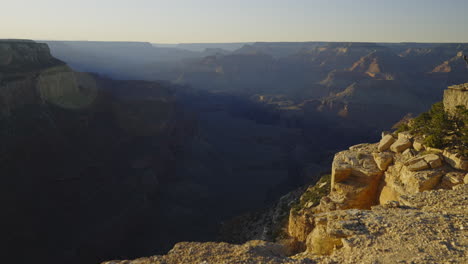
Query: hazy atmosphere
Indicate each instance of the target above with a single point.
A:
(234, 132)
(178, 21)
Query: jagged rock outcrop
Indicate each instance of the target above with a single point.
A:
(371, 174)
(355, 178)
(454, 96)
(427, 227)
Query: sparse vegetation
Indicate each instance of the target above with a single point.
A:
(314, 193)
(441, 129)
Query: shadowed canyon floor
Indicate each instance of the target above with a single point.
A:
(97, 169)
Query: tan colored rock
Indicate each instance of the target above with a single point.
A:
(252, 252)
(405, 135)
(400, 145)
(418, 145)
(424, 162)
(355, 178)
(451, 179)
(433, 160)
(386, 142)
(300, 225)
(383, 160)
(429, 228)
(392, 187)
(465, 180)
(320, 241)
(388, 194)
(409, 153)
(456, 160)
(419, 165)
(419, 181)
(454, 96)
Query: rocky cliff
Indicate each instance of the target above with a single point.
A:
(383, 174)
(395, 201)
(454, 96)
(82, 157)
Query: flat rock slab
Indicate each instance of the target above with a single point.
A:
(400, 145)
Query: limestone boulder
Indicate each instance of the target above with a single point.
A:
(419, 165)
(424, 162)
(320, 241)
(391, 186)
(355, 178)
(300, 224)
(405, 135)
(433, 160)
(400, 145)
(409, 153)
(419, 181)
(418, 145)
(455, 160)
(383, 160)
(451, 179)
(386, 142)
(388, 193)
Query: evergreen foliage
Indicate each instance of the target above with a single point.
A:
(441, 129)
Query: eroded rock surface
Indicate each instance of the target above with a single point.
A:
(367, 175)
(428, 227)
(252, 252)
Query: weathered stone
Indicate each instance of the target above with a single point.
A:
(386, 142)
(387, 194)
(451, 179)
(409, 153)
(355, 178)
(418, 181)
(455, 160)
(383, 160)
(454, 96)
(320, 241)
(433, 160)
(300, 225)
(465, 180)
(418, 145)
(400, 145)
(405, 135)
(419, 165)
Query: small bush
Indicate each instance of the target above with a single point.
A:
(440, 129)
(403, 128)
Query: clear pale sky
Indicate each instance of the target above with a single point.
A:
(182, 21)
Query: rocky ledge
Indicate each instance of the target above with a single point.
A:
(395, 201)
(367, 175)
(427, 227)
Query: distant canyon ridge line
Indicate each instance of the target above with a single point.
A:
(168, 161)
(343, 79)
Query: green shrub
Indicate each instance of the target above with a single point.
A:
(440, 129)
(403, 128)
